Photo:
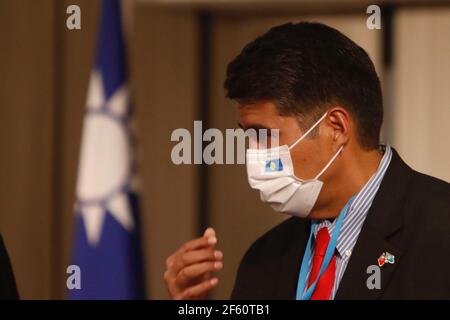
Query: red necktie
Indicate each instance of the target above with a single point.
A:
(326, 281)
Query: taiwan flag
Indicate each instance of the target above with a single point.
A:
(107, 246)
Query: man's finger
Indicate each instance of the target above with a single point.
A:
(198, 243)
(196, 256)
(210, 232)
(187, 274)
(200, 289)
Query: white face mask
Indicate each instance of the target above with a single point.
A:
(272, 173)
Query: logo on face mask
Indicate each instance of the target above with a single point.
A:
(274, 165)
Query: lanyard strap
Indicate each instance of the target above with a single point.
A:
(301, 294)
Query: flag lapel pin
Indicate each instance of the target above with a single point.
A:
(386, 257)
(390, 258)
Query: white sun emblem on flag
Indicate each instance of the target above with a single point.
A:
(105, 161)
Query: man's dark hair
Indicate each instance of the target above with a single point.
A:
(305, 68)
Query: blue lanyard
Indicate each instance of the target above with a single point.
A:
(328, 255)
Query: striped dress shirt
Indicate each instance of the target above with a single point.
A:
(353, 221)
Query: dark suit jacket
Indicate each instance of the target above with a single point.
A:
(409, 217)
(8, 290)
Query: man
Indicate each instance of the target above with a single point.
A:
(364, 224)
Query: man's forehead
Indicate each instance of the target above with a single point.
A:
(257, 120)
(263, 115)
(257, 106)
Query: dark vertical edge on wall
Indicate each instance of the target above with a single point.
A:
(204, 63)
(57, 143)
(387, 48)
(387, 12)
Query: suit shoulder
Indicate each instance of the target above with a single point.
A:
(263, 259)
(431, 189)
(274, 241)
(8, 289)
(427, 209)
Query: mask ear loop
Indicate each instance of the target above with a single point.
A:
(308, 131)
(329, 162)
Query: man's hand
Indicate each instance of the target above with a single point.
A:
(189, 269)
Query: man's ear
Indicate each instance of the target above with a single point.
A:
(341, 125)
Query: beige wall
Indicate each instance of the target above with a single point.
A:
(164, 71)
(421, 89)
(26, 164)
(43, 79)
(44, 70)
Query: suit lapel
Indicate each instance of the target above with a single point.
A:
(370, 246)
(290, 260)
(384, 219)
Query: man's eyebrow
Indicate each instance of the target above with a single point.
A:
(255, 126)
